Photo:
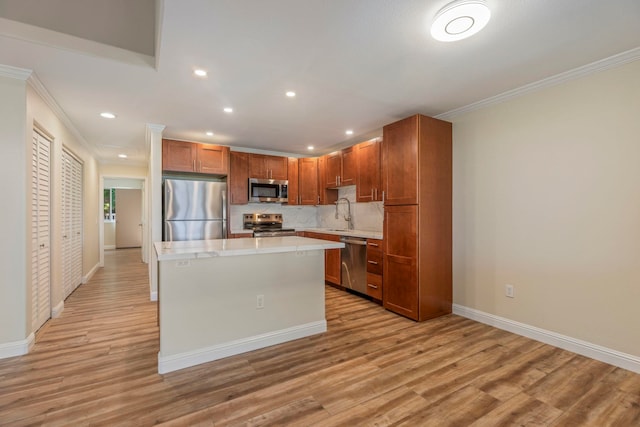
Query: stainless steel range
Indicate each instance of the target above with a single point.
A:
(266, 225)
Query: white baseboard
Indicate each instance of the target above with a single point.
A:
(584, 348)
(109, 247)
(154, 295)
(57, 310)
(90, 274)
(17, 348)
(184, 360)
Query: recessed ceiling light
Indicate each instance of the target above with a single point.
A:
(349, 132)
(209, 133)
(228, 110)
(310, 147)
(460, 19)
(122, 156)
(291, 94)
(200, 73)
(108, 115)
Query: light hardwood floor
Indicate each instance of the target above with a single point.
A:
(96, 365)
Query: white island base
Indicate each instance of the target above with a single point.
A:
(209, 297)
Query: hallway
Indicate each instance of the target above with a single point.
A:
(97, 365)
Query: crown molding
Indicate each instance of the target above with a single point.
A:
(595, 67)
(39, 88)
(15, 72)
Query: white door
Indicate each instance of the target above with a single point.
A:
(128, 218)
(40, 231)
(71, 223)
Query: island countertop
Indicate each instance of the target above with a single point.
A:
(236, 247)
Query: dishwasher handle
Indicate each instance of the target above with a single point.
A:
(353, 241)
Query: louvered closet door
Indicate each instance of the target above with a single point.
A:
(40, 231)
(71, 222)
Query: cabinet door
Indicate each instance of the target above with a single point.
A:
(400, 279)
(326, 196)
(293, 190)
(349, 167)
(179, 156)
(368, 177)
(400, 176)
(258, 167)
(333, 169)
(213, 159)
(276, 167)
(332, 259)
(308, 181)
(239, 178)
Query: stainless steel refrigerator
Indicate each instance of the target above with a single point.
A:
(194, 210)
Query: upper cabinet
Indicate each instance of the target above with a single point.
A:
(308, 181)
(400, 153)
(268, 167)
(183, 156)
(341, 168)
(293, 189)
(368, 179)
(238, 178)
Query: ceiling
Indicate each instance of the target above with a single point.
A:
(354, 64)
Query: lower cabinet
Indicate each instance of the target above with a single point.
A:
(374, 268)
(331, 257)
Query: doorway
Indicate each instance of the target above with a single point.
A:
(124, 214)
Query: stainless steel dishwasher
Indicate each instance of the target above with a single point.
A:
(354, 263)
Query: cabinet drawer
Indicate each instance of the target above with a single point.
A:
(374, 286)
(374, 261)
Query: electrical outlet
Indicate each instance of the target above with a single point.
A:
(508, 291)
(260, 301)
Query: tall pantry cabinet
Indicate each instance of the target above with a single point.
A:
(417, 180)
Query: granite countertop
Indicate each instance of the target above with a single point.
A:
(344, 232)
(236, 247)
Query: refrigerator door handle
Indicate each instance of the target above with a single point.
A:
(224, 214)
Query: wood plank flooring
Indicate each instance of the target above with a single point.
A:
(97, 365)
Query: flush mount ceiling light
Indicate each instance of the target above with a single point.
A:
(122, 156)
(108, 115)
(209, 133)
(200, 72)
(349, 132)
(460, 19)
(228, 110)
(310, 148)
(291, 94)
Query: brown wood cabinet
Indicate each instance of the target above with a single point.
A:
(368, 179)
(240, 235)
(332, 259)
(417, 179)
(268, 167)
(341, 168)
(325, 196)
(308, 181)
(374, 268)
(238, 179)
(184, 156)
(293, 191)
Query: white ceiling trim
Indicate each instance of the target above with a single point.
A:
(576, 73)
(37, 85)
(14, 72)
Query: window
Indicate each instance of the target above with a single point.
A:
(109, 204)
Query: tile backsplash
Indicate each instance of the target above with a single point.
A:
(364, 216)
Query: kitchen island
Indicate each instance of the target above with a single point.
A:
(218, 298)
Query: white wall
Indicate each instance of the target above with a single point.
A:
(14, 326)
(547, 198)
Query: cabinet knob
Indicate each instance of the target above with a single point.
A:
(373, 262)
(373, 244)
(372, 286)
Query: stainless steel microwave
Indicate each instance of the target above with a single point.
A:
(268, 190)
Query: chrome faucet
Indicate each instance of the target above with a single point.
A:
(348, 216)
